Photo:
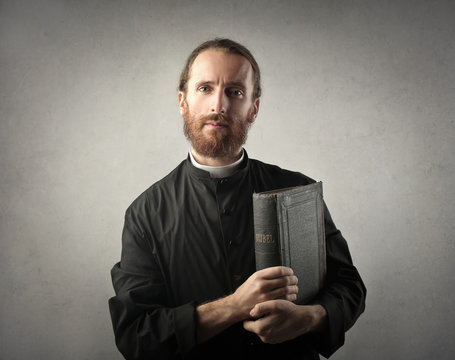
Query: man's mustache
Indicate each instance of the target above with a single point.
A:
(223, 119)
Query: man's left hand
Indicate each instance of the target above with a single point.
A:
(276, 321)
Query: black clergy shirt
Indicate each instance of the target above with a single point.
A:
(189, 239)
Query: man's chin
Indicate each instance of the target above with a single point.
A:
(212, 148)
(215, 141)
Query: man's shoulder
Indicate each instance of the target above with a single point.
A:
(277, 177)
(159, 190)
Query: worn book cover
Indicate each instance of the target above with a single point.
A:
(289, 231)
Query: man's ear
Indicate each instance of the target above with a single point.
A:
(255, 110)
(182, 103)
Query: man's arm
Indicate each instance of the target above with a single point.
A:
(332, 313)
(146, 322)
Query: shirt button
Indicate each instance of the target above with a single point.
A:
(226, 212)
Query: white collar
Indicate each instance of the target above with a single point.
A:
(218, 171)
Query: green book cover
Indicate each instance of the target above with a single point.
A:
(289, 231)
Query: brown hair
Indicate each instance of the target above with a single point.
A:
(228, 46)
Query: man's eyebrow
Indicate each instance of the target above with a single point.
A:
(203, 82)
(236, 84)
(230, 83)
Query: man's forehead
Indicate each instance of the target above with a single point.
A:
(212, 64)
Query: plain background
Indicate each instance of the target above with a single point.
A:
(358, 94)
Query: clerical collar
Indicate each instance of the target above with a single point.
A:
(218, 171)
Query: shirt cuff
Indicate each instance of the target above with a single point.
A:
(185, 326)
(332, 338)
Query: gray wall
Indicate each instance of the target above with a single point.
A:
(358, 94)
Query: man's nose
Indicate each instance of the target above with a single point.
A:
(220, 102)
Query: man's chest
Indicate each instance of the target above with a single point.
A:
(207, 248)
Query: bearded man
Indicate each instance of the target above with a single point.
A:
(186, 285)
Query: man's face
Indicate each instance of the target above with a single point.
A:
(218, 106)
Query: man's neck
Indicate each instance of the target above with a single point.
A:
(216, 161)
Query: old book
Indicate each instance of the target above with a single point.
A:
(289, 231)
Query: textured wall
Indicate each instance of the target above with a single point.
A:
(358, 94)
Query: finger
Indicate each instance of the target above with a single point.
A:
(275, 272)
(280, 283)
(256, 325)
(288, 297)
(250, 325)
(283, 292)
(257, 311)
(291, 297)
(262, 309)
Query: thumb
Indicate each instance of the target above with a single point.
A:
(259, 310)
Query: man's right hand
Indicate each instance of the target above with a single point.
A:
(277, 282)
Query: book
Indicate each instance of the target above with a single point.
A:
(289, 231)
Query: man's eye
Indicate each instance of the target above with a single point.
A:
(237, 93)
(203, 88)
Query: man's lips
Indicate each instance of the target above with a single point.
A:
(216, 125)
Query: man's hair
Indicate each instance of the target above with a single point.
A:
(230, 47)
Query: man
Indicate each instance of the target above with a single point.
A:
(186, 285)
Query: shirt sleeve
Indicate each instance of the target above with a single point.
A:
(344, 294)
(145, 325)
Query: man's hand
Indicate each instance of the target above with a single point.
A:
(268, 284)
(277, 282)
(280, 320)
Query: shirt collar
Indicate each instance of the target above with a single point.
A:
(217, 172)
(204, 175)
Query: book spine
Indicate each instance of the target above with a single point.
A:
(266, 244)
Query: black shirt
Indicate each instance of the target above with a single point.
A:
(189, 239)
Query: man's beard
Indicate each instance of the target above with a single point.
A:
(223, 143)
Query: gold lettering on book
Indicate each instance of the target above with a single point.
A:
(264, 238)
